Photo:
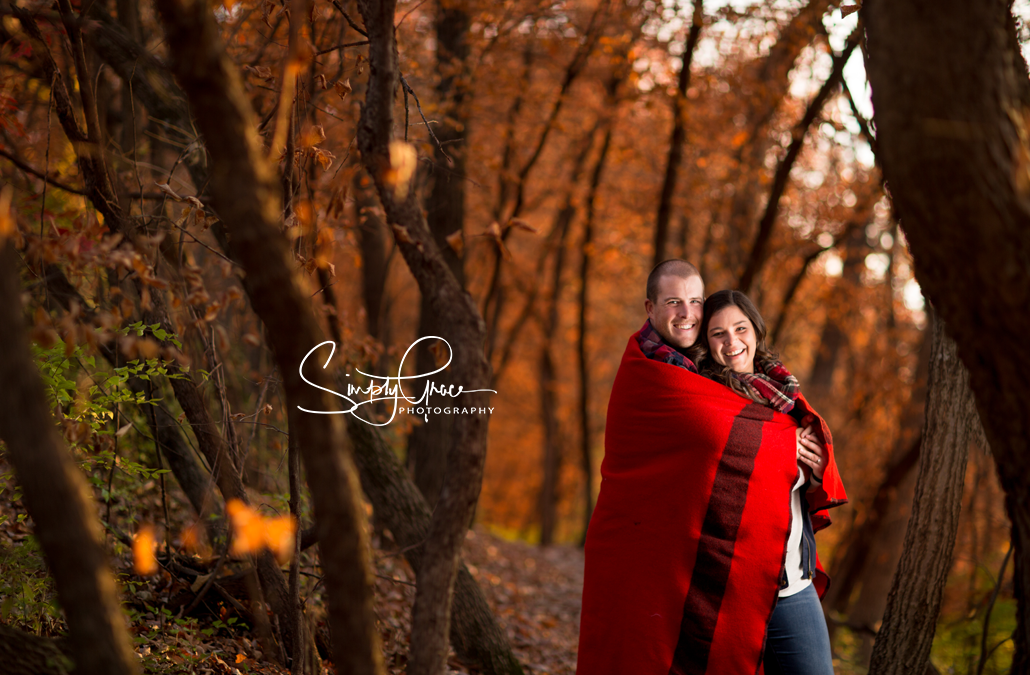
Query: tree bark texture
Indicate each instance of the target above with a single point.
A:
(245, 194)
(374, 261)
(445, 215)
(948, 89)
(461, 325)
(910, 620)
(23, 653)
(57, 497)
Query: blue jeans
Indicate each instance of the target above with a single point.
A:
(796, 640)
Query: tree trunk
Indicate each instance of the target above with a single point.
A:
(245, 195)
(679, 135)
(948, 86)
(759, 248)
(547, 501)
(152, 84)
(372, 241)
(834, 338)
(57, 497)
(445, 215)
(910, 620)
(477, 638)
(848, 568)
(460, 325)
(23, 653)
(475, 634)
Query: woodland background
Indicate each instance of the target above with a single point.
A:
(557, 150)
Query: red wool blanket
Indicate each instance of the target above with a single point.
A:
(686, 544)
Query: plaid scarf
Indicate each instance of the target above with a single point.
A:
(656, 349)
(776, 387)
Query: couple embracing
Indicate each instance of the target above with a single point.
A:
(700, 555)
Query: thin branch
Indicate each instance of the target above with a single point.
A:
(408, 89)
(345, 45)
(792, 289)
(44, 177)
(408, 13)
(350, 21)
(984, 654)
(194, 238)
(863, 123)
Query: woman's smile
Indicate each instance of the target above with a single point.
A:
(731, 339)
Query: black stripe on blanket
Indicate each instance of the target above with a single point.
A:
(718, 534)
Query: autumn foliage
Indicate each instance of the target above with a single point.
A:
(559, 117)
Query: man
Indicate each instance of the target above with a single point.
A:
(674, 304)
(686, 544)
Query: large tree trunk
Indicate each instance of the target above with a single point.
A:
(910, 620)
(245, 195)
(949, 88)
(461, 325)
(57, 497)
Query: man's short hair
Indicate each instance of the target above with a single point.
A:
(674, 267)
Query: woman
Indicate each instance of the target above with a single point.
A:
(734, 336)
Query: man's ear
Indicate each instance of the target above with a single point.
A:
(648, 306)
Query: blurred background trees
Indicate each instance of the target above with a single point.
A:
(561, 148)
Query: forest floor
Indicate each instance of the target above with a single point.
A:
(535, 593)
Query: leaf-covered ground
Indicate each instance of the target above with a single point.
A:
(534, 592)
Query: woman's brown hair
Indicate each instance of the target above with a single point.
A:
(708, 367)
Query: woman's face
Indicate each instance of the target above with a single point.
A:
(732, 340)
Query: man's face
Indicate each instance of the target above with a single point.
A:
(676, 314)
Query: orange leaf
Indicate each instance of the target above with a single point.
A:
(7, 227)
(403, 161)
(522, 225)
(279, 536)
(143, 548)
(247, 527)
(457, 242)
